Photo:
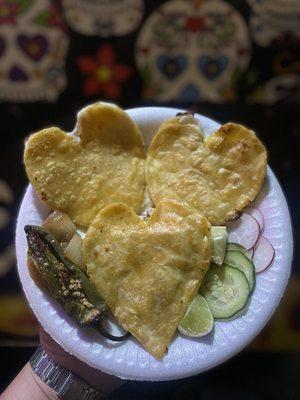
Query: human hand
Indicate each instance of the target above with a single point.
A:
(95, 378)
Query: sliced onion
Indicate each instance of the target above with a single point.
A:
(60, 225)
(112, 337)
(74, 250)
(108, 329)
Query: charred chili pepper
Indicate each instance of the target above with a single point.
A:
(66, 281)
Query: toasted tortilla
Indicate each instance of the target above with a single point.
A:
(80, 174)
(218, 175)
(148, 272)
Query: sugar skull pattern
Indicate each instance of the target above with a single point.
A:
(275, 22)
(191, 51)
(283, 89)
(104, 17)
(33, 46)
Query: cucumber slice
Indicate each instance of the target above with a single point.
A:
(226, 290)
(240, 248)
(218, 244)
(238, 260)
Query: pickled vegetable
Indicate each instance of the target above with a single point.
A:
(60, 226)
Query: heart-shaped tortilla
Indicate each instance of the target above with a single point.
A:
(148, 272)
(80, 174)
(218, 175)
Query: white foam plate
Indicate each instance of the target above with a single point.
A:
(186, 356)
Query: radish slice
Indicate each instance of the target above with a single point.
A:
(257, 214)
(244, 231)
(264, 254)
(251, 252)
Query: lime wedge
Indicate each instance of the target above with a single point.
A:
(218, 244)
(198, 320)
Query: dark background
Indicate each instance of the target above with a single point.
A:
(270, 367)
